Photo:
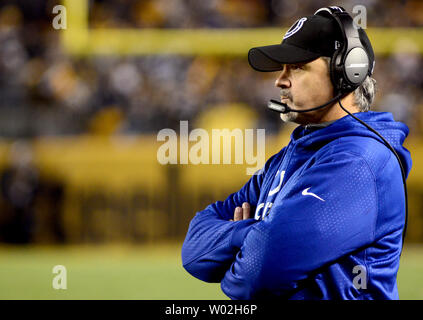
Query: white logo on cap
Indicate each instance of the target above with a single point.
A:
(295, 28)
(337, 8)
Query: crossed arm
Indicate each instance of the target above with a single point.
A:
(253, 258)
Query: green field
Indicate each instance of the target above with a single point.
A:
(133, 272)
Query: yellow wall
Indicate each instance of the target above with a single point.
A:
(115, 189)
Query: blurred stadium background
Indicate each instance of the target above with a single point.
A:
(80, 110)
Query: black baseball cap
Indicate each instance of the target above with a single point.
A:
(307, 39)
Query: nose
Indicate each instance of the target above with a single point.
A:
(282, 81)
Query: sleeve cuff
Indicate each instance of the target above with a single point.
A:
(240, 232)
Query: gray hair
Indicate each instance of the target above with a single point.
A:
(364, 94)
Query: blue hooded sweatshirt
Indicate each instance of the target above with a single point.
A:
(329, 217)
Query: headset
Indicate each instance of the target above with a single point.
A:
(350, 64)
(352, 61)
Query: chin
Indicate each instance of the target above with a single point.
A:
(289, 117)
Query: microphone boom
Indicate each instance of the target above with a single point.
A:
(283, 107)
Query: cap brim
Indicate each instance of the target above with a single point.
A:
(272, 58)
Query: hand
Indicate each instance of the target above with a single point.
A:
(242, 213)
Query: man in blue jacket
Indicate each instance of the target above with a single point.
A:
(329, 208)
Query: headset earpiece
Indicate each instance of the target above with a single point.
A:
(350, 63)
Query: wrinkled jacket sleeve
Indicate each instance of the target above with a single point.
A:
(212, 240)
(304, 233)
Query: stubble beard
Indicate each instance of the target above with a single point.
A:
(289, 117)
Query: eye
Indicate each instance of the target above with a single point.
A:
(297, 66)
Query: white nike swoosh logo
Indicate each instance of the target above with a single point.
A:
(306, 193)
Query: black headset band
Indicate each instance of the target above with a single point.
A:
(340, 76)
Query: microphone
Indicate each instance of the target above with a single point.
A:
(280, 107)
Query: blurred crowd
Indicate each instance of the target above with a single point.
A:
(46, 91)
(240, 13)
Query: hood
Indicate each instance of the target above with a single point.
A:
(383, 122)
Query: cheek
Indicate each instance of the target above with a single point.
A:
(310, 90)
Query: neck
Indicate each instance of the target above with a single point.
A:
(334, 112)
